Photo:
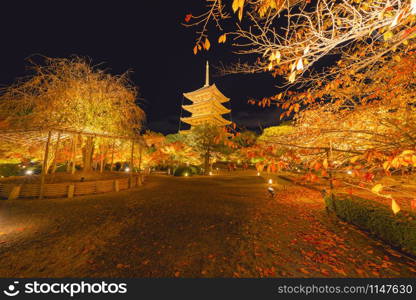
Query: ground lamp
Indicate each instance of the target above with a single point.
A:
(270, 189)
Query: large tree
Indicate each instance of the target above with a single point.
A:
(363, 124)
(74, 95)
(208, 140)
(292, 37)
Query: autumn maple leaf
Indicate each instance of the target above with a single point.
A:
(188, 18)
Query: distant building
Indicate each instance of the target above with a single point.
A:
(206, 107)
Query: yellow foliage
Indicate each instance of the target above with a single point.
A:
(207, 44)
(394, 206)
(71, 94)
(377, 188)
(388, 35)
(292, 77)
(222, 38)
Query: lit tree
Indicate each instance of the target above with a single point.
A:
(289, 37)
(365, 123)
(245, 138)
(207, 140)
(72, 94)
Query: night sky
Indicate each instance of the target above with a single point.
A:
(147, 39)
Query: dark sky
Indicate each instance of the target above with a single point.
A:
(146, 38)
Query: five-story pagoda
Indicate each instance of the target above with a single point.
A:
(206, 107)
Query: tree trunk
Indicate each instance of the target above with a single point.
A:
(206, 162)
(54, 165)
(44, 166)
(103, 157)
(140, 157)
(331, 184)
(131, 163)
(112, 156)
(74, 155)
(88, 153)
(102, 163)
(70, 160)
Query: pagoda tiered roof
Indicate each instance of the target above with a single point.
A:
(212, 118)
(202, 107)
(206, 93)
(206, 107)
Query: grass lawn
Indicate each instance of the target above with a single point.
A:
(217, 226)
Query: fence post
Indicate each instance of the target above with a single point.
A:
(14, 193)
(71, 190)
(116, 185)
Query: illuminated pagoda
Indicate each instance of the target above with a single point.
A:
(206, 107)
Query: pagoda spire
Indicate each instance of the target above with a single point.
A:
(207, 75)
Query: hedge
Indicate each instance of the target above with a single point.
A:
(190, 170)
(397, 230)
(7, 170)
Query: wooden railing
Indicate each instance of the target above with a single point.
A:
(69, 189)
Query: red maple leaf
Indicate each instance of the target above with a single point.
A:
(188, 18)
(369, 177)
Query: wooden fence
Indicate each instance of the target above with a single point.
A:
(69, 189)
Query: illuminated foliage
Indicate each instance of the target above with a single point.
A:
(363, 125)
(209, 140)
(70, 93)
(289, 37)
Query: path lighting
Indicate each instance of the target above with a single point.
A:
(127, 169)
(349, 172)
(270, 181)
(210, 173)
(258, 173)
(186, 174)
(271, 191)
(29, 172)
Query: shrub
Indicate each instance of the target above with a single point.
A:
(61, 168)
(181, 171)
(7, 170)
(397, 230)
(196, 170)
(190, 170)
